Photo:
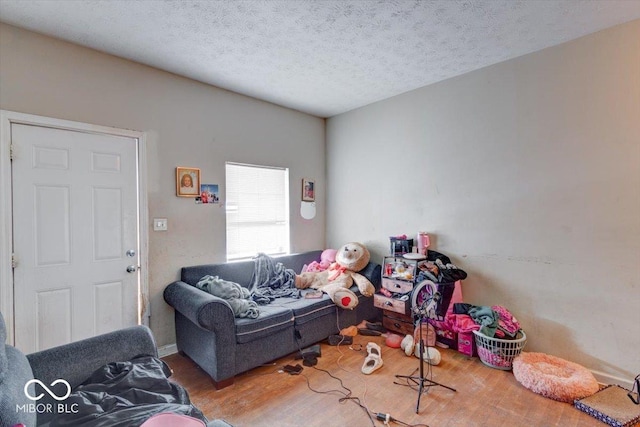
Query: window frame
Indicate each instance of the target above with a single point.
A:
(282, 214)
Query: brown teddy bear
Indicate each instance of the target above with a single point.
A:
(338, 278)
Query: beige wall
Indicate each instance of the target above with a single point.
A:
(527, 173)
(187, 123)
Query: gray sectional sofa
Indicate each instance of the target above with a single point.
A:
(21, 402)
(224, 346)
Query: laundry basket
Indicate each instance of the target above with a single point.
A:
(499, 353)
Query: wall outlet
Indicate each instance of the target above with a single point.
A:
(160, 224)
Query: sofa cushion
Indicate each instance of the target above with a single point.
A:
(272, 319)
(307, 309)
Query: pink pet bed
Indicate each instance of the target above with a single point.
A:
(554, 377)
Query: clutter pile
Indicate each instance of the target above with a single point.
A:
(449, 323)
(493, 321)
(363, 328)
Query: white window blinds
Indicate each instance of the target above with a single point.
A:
(257, 210)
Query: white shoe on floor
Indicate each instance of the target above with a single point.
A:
(431, 355)
(371, 364)
(374, 349)
(373, 361)
(407, 345)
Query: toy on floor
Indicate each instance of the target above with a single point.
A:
(338, 278)
(393, 340)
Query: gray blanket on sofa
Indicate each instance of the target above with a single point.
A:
(272, 280)
(237, 296)
(125, 394)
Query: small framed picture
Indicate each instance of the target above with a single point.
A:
(187, 182)
(308, 190)
(209, 193)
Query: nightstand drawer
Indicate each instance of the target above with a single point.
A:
(392, 304)
(397, 286)
(398, 323)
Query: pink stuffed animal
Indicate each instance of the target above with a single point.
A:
(327, 257)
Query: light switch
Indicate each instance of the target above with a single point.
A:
(160, 224)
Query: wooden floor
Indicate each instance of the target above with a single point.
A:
(266, 396)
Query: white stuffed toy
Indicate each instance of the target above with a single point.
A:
(338, 278)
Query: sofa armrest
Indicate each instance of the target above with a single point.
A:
(373, 272)
(13, 379)
(76, 361)
(203, 309)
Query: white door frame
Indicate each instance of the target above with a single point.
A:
(6, 219)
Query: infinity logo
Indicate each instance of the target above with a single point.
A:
(52, 394)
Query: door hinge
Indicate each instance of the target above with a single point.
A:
(14, 261)
(10, 152)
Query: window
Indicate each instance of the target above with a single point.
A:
(257, 210)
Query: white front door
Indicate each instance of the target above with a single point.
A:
(75, 232)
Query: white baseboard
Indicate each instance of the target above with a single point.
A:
(167, 350)
(601, 377)
(610, 379)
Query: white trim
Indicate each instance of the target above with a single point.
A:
(143, 230)
(167, 350)
(608, 379)
(6, 237)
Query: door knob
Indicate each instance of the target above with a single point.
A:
(131, 253)
(132, 269)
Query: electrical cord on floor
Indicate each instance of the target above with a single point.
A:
(353, 347)
(346, 396)
(373, 416)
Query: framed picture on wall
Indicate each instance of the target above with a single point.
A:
(187, 182)
(308, 190)
(209, 193)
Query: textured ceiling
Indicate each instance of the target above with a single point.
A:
(320, 57)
